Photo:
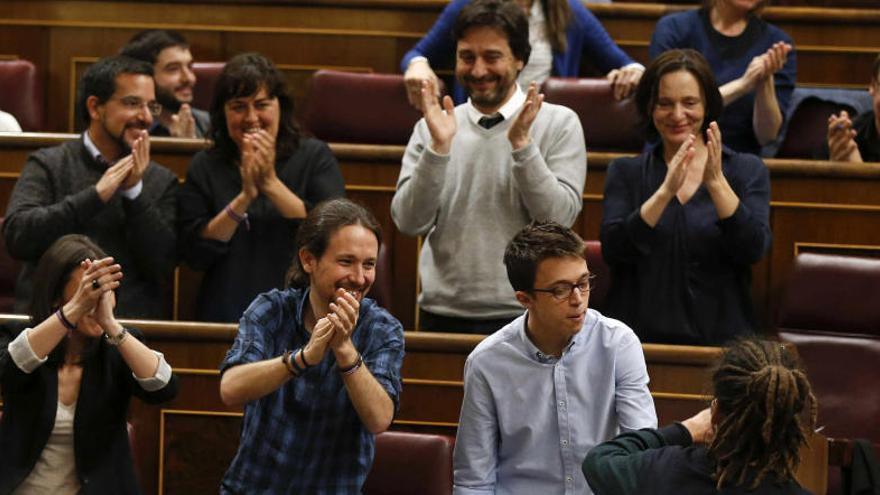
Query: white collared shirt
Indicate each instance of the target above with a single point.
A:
(130, 193)
(508, 110)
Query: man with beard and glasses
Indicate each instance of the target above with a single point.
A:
(103, 185)
(580, 376)
(473, 175)
(316, 366)
(168, 52)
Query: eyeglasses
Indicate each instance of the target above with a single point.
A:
(134, 104)
(564, 291)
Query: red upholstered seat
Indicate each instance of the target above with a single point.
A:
(608, 124)
(411, 463)
(206, 77)
(347, 107)
(21, 94)
(830, 311)
(597, 267)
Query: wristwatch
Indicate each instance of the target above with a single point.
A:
(116, 339)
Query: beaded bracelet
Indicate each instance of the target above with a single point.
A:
(238, 218)
(356, 366)
(289, 364)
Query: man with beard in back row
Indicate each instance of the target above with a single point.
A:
(103, 185)
(168, 52)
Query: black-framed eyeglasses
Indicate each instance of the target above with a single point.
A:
(134, 104)
(564, 291)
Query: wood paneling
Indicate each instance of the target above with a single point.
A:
(836, 46)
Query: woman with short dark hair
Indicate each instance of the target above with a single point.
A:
(244, 198)
(67, 381)
(684, 221)
(749, 441)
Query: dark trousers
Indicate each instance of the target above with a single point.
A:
(432, 322)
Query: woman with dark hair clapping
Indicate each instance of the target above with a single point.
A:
(67, 380)
(748, 442)
(244, 199)
(683, 222)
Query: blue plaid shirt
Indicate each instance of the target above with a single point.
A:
(306, 437)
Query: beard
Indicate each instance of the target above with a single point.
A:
(488, 99)
(168, 100)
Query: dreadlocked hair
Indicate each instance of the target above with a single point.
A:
(766, 410)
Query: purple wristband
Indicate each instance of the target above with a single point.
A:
(238, 218)
(64, 321)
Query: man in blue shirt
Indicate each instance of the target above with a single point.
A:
(558, 380)
(316, 366)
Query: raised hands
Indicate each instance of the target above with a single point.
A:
(624, 80)
(518, 134)
(98, 277)
(319, 342)
(113, 177)
(842, 146)
(712, 173)
(257, 163)
(762, 67)
(441, 121)
(677, 168)
(183, 124)
(417, 74)
(140, 158)
(344, 315)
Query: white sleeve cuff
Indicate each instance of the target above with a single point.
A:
(160, 379)
(133, 191)
(634, 65)
(22, 353)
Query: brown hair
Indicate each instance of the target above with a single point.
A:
(708, 4)
(766, 409)
(315, 231)
(558, 16)
(535, 243)
(673, 61)
(499, 14)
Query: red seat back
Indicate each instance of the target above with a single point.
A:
(409, 463)
(600, 270)
(808, 128)
(347, 107)
(608, 124)
(207, 74)
(21, 94)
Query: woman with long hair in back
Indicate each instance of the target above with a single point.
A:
(748, 441)
(68, 378)
(244, 199)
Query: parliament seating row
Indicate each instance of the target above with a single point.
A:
(350, 107)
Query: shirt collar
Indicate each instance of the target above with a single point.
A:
(94, 151)
(535, 354)
(508, 110)
(298, 317)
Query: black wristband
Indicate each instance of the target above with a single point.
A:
(286, 359)
(299, 369)
(302, 356)
(351, 369)
(64, 321)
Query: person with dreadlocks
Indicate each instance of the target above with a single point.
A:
(748, 440)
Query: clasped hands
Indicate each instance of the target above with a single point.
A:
(842, 146)
(442, 125)
(257, 163)
(677, 168)
(94, 294)
(183, 124)
(126, 172)
(333, 332)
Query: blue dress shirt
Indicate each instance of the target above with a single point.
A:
(528, 420)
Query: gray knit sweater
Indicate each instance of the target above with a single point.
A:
(55, 195)
(471, 202)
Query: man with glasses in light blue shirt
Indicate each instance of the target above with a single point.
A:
(555, 382)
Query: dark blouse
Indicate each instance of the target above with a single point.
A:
(687, 280)
(255, 259)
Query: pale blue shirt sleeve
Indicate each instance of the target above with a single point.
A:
(475, 460)
(633, 401)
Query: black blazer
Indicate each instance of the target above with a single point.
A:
(100, 436)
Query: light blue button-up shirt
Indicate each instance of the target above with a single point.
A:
(528, 420)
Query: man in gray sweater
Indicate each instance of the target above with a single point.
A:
(474, 175)
(103, 185)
